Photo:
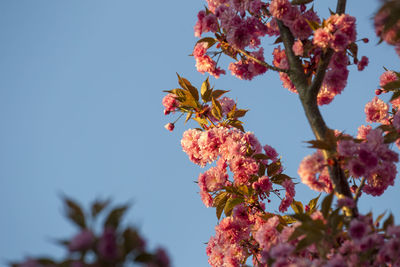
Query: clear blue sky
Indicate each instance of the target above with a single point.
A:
(80, 113)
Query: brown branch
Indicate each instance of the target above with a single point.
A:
(296, 72)
(358, 192)
(265, 64)
(341, 6)
(308, 96)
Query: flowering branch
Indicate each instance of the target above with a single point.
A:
(265, 64)
(308, 97)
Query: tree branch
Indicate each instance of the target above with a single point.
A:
(308, 96)
(265, 64)
(296, 71)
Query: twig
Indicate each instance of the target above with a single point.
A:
(265, 64)
(308, 96)
(358, 192)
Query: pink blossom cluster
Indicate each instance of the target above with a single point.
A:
(231, 147)
(204, 63)
(294, 18)
(240, 30)
(362, 246)
(377, 111)
(227, 247)
(372, 159)
(335, 79)
(280, 61)
(337, 33)
(205, 23)
(170, 103)
(313, 172)
(389, 35)
(247, 69)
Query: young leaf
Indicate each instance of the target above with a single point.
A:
(297, 207)
(188, 116)
(273, 168)
(218, 93)
(231, 203)
(326, 205)
(388, 222)
(98, 206)
(114, 217)
(216, 108)
(220, 202)
(313, 204)
(279, 178)
(206, 91)
(209, 40)
(74, 212)
(392, 85)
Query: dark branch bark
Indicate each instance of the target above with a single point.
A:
(308, 96)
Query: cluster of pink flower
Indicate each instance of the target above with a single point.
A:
(310, 167)
(204, 63)
(337, 33)
(232, 146)
(170, 103)
(247, 69)
(388, 34)
(372, 159)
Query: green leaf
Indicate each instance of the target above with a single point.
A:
(206, 91)
(209, 40)
(240, 113)
(353, 47)
(297, 207)
(216, 108)
(201, 121)
(114, 217)
(392, 85)
(98, 206)
(218, 93)
(220, 202)
(273, 168)
(261, 169)
(231, 203)
(279, 178)
(313, 204)
(395, 95)
(188, 116)
(326, 205)
(391, 137)
(189, 87)
(237, 124)
(144, 257)
(313, 24)
(388, 222)
(132, 240)
(302, 217)
(74, 212)
(379, 218)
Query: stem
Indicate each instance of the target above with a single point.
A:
(358, 192)
(308, 96)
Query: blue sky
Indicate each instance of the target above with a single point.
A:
(80, 113)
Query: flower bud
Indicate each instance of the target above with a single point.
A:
(169, 126)
(81, 241)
